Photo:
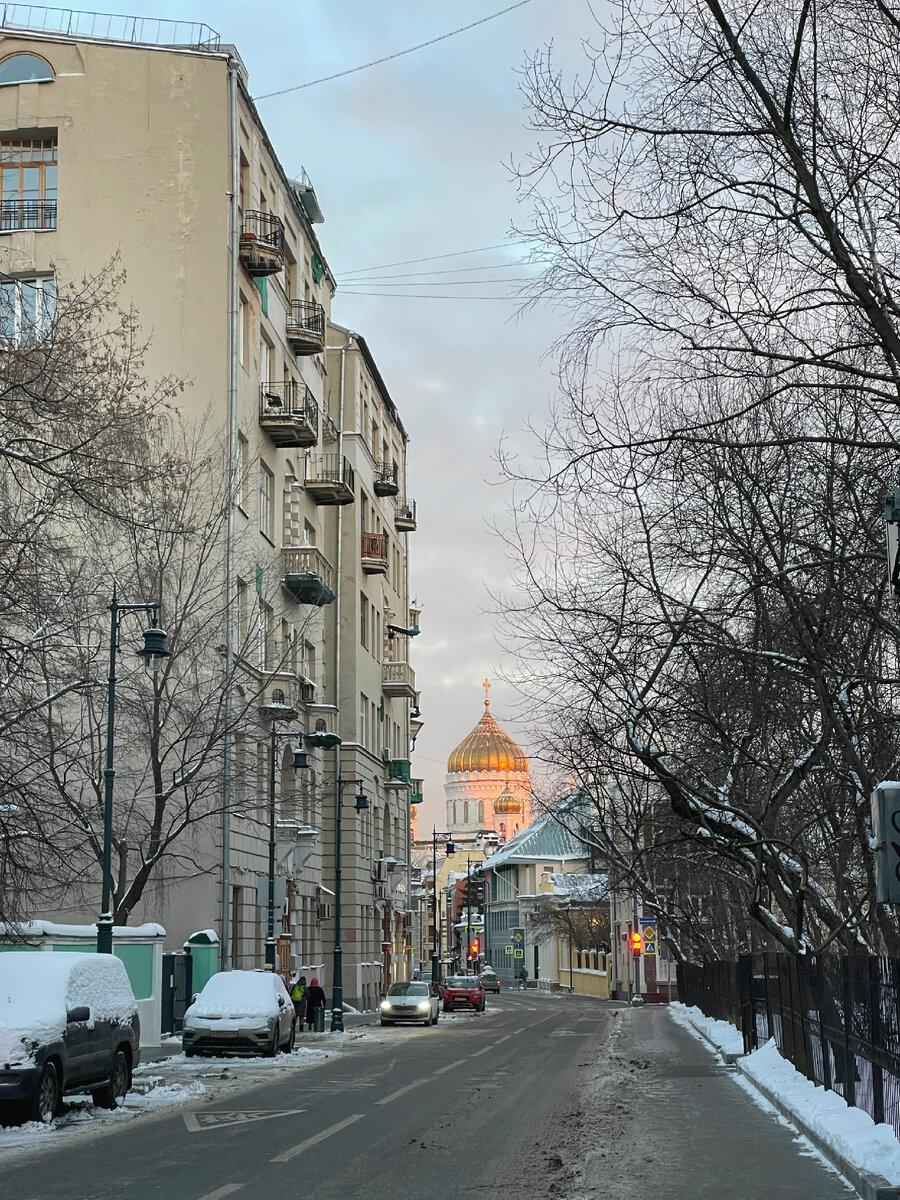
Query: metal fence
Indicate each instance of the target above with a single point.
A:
(836, 1019)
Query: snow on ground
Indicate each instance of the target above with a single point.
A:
(852, 1133)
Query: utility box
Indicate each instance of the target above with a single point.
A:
(886, 830)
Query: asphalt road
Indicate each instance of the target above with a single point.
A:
(540, 1097)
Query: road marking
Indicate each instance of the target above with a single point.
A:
(219, 1193)
(197, 1122)
(287, 1155)
(402, 1092)
(449, 1067)
(486, 1050)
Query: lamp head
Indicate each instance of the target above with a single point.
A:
(451, 848)
(154, 652)
(362, 800)
(300, 760)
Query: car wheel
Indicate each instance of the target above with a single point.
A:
(190, 1053)
(112, 1094)
(44, 1104)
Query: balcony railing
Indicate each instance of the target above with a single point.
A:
(405, 515)
(289, 413)
(398, 679)
(386, 483)
(27, 214)
(262, 243)
(330, 479)
(305, 327)
(398, 771)
(308, 575)
(373, 552)
(415, 795)
(74, 23)
(329, 430)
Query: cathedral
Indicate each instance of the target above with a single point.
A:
(488, 785)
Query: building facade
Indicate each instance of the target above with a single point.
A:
(151, 154)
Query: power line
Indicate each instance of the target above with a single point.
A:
(437, 282)
(414, 296)
(408, 262)
(389, 57)
(445, 271)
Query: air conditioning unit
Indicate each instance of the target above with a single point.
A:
(325, 912)
(381, 890)
(379, 870)
(386, 754)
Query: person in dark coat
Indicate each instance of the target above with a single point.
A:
(315, 998)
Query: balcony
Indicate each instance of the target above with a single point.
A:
(27, 214)
(308, 575)
(415, 795)
(386, 479)
(305, 328)
(330, 479)
(373, 551)
(329, 430)
(398, 679)
(398, 773)
(262, 243)
(288, 413)
(405, 516)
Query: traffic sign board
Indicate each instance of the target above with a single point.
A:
(520, 954)
(648, 934)
(509, 949)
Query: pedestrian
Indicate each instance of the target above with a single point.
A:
(523, 979)
(298, 997)
(315, 999)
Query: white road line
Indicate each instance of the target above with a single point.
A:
(449, 1067)
(219, 1193)
(402, 1092)
(486, 1050)
(287, 1155)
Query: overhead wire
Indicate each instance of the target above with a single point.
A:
(407, 262)
(390, 57)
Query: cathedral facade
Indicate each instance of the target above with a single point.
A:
(488, 785)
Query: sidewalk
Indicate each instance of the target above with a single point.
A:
(862, 1151)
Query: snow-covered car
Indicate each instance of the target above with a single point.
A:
(68, 1023)
(415, 1001)
(490, 980)
(240, 1012)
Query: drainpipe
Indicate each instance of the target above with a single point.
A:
(233, 466)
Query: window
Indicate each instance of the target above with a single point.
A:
(25, 68)
(244, 332)
(243, 466)
(243, 611)
(363, 621)
(26, 310)
(266, 506)
(28, 168)
(363, 719)
(309, 533)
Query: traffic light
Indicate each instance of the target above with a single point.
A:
(635, 943)
(474, 949)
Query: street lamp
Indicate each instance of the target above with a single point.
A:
(450, 849)
(362, 803)
(154, 655)
(300, 763)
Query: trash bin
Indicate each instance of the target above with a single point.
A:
(319, 1019)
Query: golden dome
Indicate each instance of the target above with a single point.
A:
(487, 748)
(506, 802)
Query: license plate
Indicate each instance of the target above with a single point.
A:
(227, 1033)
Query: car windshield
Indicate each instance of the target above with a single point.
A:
(408, 989)
(462, 981)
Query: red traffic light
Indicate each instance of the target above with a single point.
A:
(473, 949)
(635, 943)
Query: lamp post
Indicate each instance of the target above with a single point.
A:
(300, 763)
(154, 654)
(337, 991)
(447, 838)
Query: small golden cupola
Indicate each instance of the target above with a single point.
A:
(488, 748)
(507, 803)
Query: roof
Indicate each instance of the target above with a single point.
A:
(547, 838)
(580, 889)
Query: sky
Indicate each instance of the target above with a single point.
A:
(411, 159)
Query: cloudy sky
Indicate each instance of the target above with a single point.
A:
(410, 160)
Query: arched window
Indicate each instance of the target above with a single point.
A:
(25, 68)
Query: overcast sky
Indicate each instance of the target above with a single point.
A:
(411, 159)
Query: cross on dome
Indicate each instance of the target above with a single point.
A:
(487, 687)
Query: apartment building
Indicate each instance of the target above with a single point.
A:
(138, 139)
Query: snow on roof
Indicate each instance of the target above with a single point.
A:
(38, 929)
(549, 837)
(232, 994)
(583, 889)
(38, 989)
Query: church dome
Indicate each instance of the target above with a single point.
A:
(487, 748)
(506, 802)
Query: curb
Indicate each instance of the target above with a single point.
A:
(869, 1186)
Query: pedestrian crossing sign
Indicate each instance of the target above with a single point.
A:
(648, 935)
(509, 949)
(520, 953)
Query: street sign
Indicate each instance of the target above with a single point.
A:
(519, 953)
(648, 935)
(509, 949)
(886, 830)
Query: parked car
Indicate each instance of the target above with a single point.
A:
(240, 1012)
(490, 980)
(463, 991)
(68, 1023)
(414, 1001)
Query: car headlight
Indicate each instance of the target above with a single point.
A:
(424, 1006)
(385, 1005)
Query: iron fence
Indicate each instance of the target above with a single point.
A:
(836, 1019)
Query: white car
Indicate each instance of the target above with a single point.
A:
(416, 1001)
(240, 1012)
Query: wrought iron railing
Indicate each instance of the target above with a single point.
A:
(386, 472)
(148, 31)
(265, 229)
(288, 398)
(374, 545)
(330, 468)
(27, 214)
(307, 316)
(406, 511)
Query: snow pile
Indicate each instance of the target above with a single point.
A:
(849, 1131)
(38, 929)
(233, 995)
(37, 990)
